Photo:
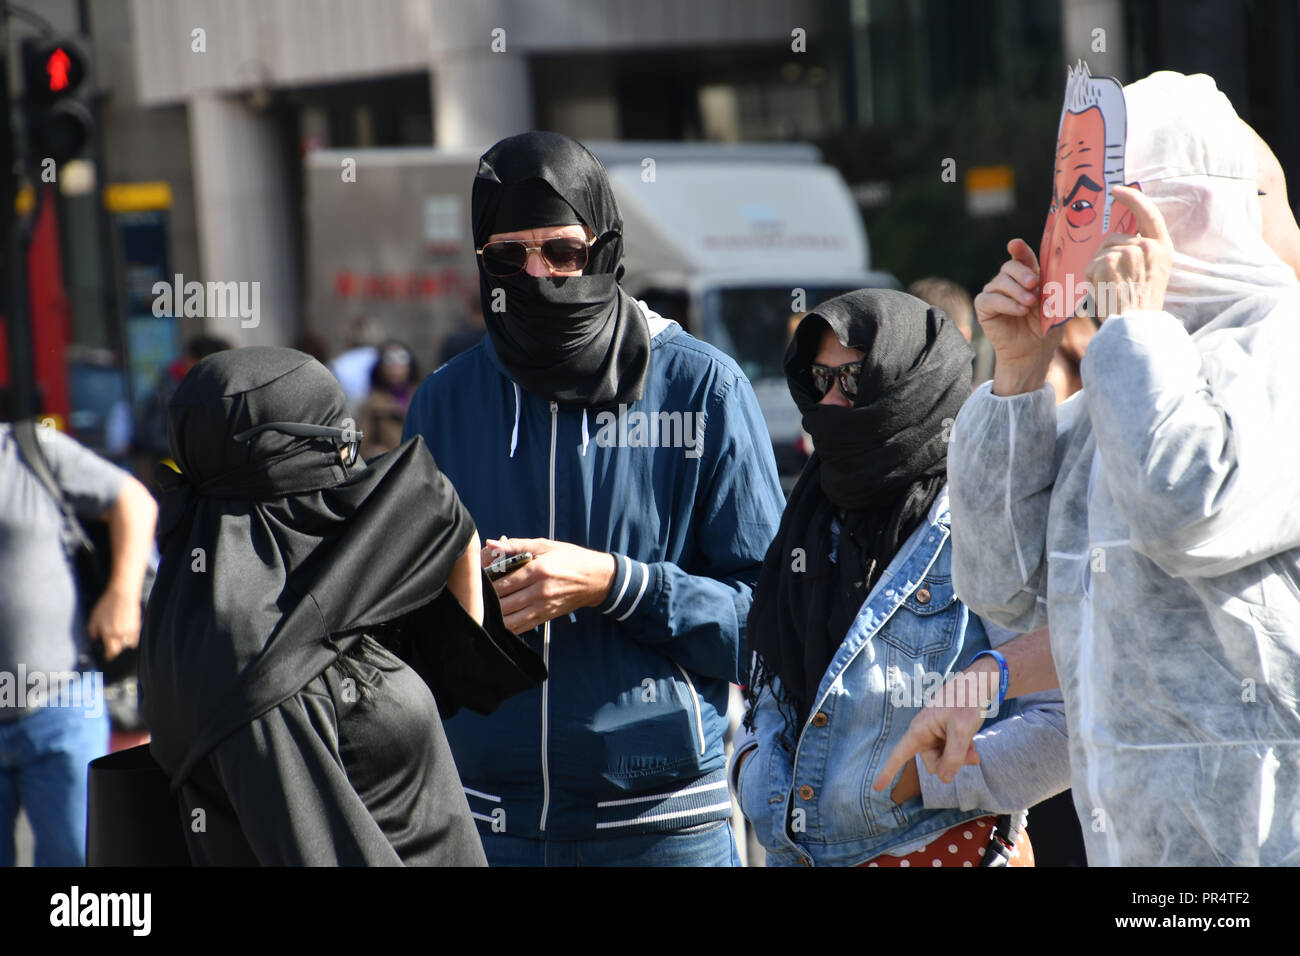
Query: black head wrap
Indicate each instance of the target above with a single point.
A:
(578, 340)
(276, 557)
(877, 467)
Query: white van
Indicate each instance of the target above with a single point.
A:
(728, 240)
(732, 241)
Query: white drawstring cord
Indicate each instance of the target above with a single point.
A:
(514, 436)
(584, 431)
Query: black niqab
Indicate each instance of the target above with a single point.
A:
(576, 340)
(877, 467)
(276, 557)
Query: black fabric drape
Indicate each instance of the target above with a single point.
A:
(577, 340)
(277, 558)
(877, 468)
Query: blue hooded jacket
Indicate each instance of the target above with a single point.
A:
(681, 487)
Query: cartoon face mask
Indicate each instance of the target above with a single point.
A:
(1089, 160)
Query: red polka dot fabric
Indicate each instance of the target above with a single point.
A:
(963, 845)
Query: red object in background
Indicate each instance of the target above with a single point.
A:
(57, 68)
(47, 304)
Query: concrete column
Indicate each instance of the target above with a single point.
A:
(244, 206)
(480, 97)
(1093, 31)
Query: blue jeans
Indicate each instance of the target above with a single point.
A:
(711, 845)
(43, 758)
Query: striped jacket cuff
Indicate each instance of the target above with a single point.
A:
(631, 580)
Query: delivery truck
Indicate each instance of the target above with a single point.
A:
(732, 241)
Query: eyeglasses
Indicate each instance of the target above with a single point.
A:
(825, 377)
(347, 438)
(508, 257)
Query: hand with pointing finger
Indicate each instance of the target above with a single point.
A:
(1131, 272)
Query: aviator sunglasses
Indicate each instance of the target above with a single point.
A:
(508, 257)
(303, 430)
(825, 377)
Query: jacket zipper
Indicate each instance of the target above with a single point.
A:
(695, 699)
(546, 643)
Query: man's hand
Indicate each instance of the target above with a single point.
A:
(943, 736)
(560, 579)
(943, 733)
(1009, 312)
(115, 620)
(908, 786)
(1132, 272)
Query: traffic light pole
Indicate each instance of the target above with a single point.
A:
(13, 259)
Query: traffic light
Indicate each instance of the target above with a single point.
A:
(59, 122)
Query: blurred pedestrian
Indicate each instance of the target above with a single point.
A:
(151, 437)
(392, 383)
(53, 719)
(352, 367)
(464, 338)
(957, 305)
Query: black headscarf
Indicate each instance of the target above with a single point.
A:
(276, 557)
(877, 466)
(577, 340)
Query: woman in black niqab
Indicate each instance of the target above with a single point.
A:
(275, 702)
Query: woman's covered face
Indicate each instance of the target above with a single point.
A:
(833, 355)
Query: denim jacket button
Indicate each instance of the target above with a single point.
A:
(806, 792)
(820, 719)
(923, 596)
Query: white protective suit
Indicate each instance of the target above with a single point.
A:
(1153, 520)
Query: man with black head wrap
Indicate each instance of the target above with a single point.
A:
(632, 462)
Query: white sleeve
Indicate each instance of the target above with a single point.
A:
(1197, 438)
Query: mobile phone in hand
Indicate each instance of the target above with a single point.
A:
(503, 566)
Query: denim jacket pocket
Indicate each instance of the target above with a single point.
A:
(925, 625)
(919, 643)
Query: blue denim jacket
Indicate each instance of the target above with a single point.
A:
(865, 703)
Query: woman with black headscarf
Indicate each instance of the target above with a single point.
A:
(294, 580)
(855, 620)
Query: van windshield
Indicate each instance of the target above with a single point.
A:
(753, 324)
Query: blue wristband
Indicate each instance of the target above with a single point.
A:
(1004, 680)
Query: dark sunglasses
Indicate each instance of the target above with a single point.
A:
(303, 430)
(825, 376)
(508, 257)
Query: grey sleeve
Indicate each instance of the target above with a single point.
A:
(90, 483)
(1001, 468)
(1197, 437)
(1024, 759)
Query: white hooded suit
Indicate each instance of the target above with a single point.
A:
(1153, 520)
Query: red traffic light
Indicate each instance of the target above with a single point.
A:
(54, 68)
(57, 66)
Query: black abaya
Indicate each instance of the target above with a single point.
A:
(290, 733)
